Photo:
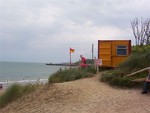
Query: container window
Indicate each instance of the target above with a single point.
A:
(122, 50)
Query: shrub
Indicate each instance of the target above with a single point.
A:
(91, 70)
(140, 49)
(122, 82)
(135, 62)
(116, 80)
(139, 59)
(13, 92)
(71, 74)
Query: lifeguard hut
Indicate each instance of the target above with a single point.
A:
(113, 52)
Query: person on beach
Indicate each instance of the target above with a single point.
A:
(83, 60)
(1, 86)
(146, 83)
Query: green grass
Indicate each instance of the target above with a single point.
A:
(117, 80)
(140, 49)
(135, 62)
(71, 74)
(14, 92)
(139, 59)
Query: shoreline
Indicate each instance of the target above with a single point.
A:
(6, 84)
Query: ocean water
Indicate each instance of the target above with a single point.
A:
(18, 71)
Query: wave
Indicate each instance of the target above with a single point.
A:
(6, 84)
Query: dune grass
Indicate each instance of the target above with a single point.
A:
(14, 92)
(139, 59)
(71, 74)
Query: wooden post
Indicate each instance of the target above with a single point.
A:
(95, 63)
(137, 72)
(97, 68)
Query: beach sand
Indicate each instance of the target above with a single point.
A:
(81, 96)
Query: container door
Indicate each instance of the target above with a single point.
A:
(105, 53)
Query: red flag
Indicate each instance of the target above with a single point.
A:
(72, 50)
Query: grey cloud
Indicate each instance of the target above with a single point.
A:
(105, 12)
(47, 28)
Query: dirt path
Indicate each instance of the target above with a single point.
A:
(81, 96)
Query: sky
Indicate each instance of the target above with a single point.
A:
(44, 30)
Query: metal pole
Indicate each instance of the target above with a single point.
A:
(70, 59)
(92, 50)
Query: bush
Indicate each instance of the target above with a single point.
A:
(122, 82)
(139, 59)
(91, 70)
(135, 62)
(116, 80)
(13, 92)
(71, 74)
(140, 49)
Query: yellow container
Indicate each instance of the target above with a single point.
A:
(113, 52)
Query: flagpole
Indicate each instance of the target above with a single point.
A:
(71, 51)
(70, 58)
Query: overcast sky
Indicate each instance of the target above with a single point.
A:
(43, 30)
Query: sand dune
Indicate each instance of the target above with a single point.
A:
(81, 96)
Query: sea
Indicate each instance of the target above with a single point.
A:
(26, 72)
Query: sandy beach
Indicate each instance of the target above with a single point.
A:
(81, 96)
